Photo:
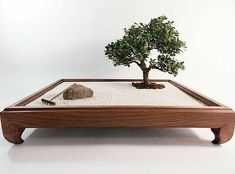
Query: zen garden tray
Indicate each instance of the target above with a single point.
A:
(116, 103)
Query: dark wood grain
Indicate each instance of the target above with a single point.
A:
(223, 134)
(214, 115)
(11, 132)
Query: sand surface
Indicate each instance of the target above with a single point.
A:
(123, 93)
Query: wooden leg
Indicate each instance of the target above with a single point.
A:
(223, 134)
(12, 133)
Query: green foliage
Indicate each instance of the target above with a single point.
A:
(140, 39)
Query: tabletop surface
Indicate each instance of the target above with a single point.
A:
(122, 93)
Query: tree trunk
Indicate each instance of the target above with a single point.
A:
(145, 70)
(146, 77)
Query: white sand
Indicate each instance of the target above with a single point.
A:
(123, 93)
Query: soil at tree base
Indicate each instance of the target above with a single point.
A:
(148, 86)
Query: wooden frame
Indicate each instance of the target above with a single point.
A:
(214, 115)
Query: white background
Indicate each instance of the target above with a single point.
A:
(42, 41)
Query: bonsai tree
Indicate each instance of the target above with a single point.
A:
(136, 45)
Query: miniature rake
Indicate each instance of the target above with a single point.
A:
(52, 103)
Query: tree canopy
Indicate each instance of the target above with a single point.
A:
(138, 41)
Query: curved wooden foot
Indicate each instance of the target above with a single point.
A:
(223, 134)
(12, 133)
